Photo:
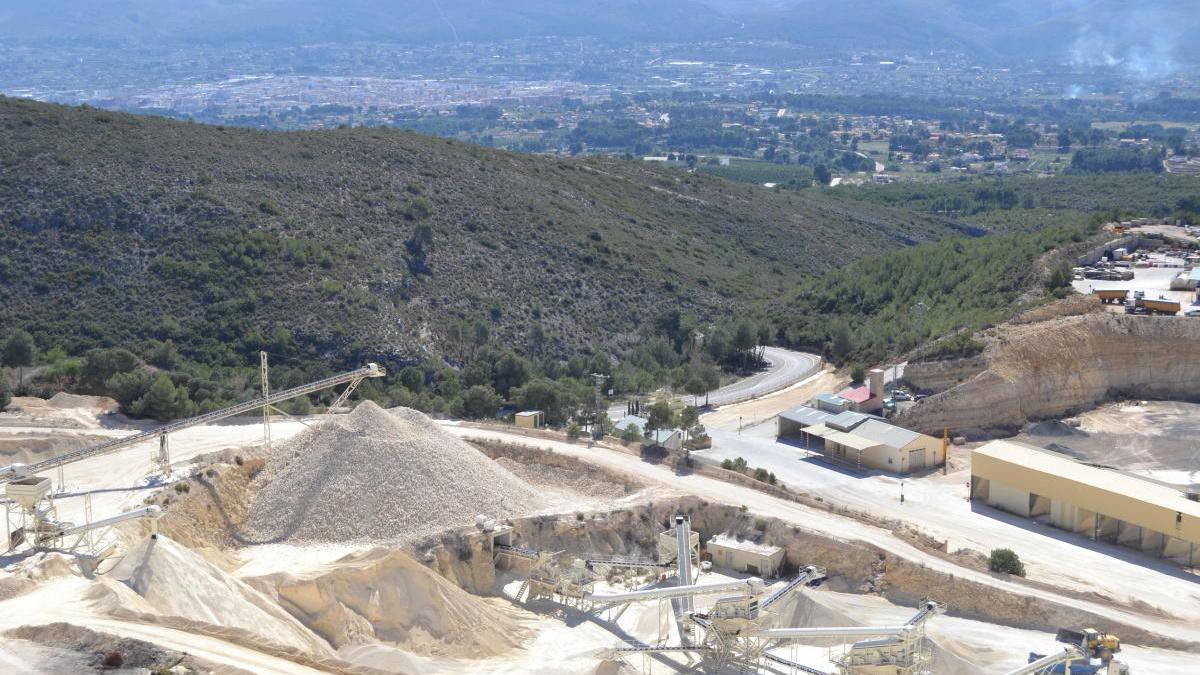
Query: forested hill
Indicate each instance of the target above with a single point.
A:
(117, 229)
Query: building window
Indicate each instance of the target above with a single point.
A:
(889, 460)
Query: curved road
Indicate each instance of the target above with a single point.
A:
(784, 368)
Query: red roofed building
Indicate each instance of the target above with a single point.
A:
(867, 398)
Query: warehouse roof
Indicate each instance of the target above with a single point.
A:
(805, 415)
(744, 545)
(625, 421)
(887, 434)
(831, 398)
(1043, 461)
(847, 439)
(845, 421)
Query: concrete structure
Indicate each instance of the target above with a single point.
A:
(862, 440)
(745, 556)
(1103, 504)
(530, 419)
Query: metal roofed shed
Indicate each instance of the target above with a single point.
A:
(530, 419)
(831, 403)
(1102, 504)
(793, 421)
(623, 423)
(746, 556)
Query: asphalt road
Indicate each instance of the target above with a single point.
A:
(785, 368)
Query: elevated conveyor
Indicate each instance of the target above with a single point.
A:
(352, 378)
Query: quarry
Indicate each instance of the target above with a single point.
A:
(384, 541)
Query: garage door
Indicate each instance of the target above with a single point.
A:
(916, 460)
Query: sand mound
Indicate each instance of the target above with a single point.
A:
(98, 404)
(376, 475)
(162, 578)
(388, 596)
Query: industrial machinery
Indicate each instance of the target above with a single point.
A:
(35, 520)
(1051, 663)
(352, 378)
(1096, 651)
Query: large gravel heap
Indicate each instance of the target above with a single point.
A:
(379, 475)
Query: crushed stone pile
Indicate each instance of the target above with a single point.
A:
(375, 475)
(161, 578)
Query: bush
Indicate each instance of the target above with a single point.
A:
(631, 434)
(1005, 561)
(573, 430)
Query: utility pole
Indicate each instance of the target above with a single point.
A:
(601, 412)
(945, 451)
(266, 393)
(919, 309)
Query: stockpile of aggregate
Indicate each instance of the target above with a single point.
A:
(375, 475)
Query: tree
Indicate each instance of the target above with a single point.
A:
(511, 371)
(163, 401)
(689, 417)
(413, 379)
(632, 434)
(1005, 561)
(101, 364)
(5, 394)
(821, 173)
(842, 344)
(18, 353)
(660, 416)
(480, 401)
(858, 373)
(546, 395)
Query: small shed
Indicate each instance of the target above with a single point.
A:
(530, 419)
(746, 556)
(671, 439)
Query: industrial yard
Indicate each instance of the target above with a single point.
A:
(385, 541)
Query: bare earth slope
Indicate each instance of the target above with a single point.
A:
(1053, 368)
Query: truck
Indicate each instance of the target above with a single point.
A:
(1111, 295)
(1140, 304)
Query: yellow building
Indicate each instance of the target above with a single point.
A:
(861, 440)
(530, 419)
(760, 560)
(1103, 504)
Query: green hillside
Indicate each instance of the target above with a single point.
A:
(125, 230)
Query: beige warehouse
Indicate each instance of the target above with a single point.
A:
(1103, 504)
(861, 440)
(761, 560)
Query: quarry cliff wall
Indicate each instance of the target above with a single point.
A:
(1060, 367)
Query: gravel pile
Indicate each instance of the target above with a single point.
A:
(379, 476)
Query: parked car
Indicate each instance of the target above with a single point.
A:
(921, 397)
(901, 395)
(1193, 310)
(889, 404)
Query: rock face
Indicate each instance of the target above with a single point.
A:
(1060, 367)
(939, 376)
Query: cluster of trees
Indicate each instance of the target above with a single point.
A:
(1107, 160)
(869, 309)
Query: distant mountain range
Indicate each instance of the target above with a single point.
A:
(1148, 37)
